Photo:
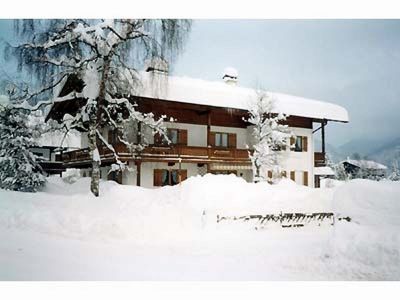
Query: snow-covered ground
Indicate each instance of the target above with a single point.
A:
(64, 233)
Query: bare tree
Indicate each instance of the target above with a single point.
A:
(104, 55)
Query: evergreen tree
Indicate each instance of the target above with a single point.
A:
(395, 175)
(340, 172)
(270, 137)
(19, 168)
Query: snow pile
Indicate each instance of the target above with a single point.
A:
(178, 212)
(369, 203)
(71, 175)
(171, 232)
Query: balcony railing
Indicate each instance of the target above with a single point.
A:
(153, 151)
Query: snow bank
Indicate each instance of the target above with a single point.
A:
(176, 212)
(369, 203)
(171, 232)
(167, 213)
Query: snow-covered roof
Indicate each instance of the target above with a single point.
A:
(220, 94)
(327, 171)
(54, 139)
(366, 164)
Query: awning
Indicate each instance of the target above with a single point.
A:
(225, 167)
(324, 171)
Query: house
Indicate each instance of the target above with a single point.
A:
(358, 168)
(50, 147)
(209, 134)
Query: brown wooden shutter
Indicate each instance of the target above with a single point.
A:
(157, 139)
(110, 136)
(269, 174)
(182, 136)
(305, 178)
(232, 140)
(293, 175)
(157, 178)
(305, 146)
(292, 142)
(212, 139)
(183, 175)
(317, 181)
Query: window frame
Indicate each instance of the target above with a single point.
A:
(221, 134)
(295, 149)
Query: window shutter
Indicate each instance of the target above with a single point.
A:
(305, 146)
(110, 136)
(292, 142)
(283, 174)
(292, 175)
(157, 139)
(183, 175)
(270, 174)
(232, 140)
(212, 139)
(157, 180)
(305, 178)
(183, 136)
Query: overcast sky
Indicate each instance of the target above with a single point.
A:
(352, 63)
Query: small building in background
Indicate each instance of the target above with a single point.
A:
(367, 169)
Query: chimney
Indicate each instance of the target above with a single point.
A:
(230, 76)
(156, 65)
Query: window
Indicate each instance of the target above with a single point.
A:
(163, 177)
(112, 137)
(221, 139)
(299, 144)
(176, 137)
(173, 136)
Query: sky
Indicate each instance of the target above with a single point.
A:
(353, 63)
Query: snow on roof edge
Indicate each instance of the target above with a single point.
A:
(220, 94)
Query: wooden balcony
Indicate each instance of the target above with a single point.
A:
(319, 159)
(154, 153)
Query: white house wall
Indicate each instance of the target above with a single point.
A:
(301, 161)
(197, 136)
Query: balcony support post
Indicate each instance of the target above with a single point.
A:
(323, 135)
(138, 172)
(208, 128)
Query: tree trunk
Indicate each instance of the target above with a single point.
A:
(257, 175)
(95, 121)
(92, 141)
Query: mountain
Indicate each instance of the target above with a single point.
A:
(362, 146)
(387, 153)
(379, 150)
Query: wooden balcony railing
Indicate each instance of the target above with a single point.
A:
(153, 151)
(319, 159)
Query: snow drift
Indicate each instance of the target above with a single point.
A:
(177, 225)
